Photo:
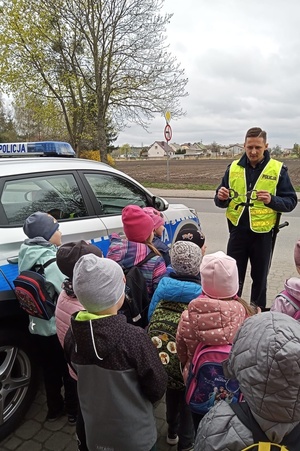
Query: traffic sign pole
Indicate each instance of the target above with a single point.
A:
(168, 137)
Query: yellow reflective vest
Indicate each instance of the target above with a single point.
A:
(261, 218)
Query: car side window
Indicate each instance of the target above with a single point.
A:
(57, 195)
(113, 193)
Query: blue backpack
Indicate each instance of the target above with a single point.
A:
(206, 383)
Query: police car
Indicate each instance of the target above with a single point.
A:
(87, 199)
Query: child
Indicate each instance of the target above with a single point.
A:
(159, 227)
(180, 287)
(183, 283)
(44, 237)
(67, 304)
(119, 372)
(265, 360)
(138, 228)
(288, 301)
(191, 235)
(215, 316)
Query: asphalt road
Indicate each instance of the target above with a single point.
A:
(214, 226)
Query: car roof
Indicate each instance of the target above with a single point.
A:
(15, 166)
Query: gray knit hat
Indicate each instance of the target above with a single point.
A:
(98, 283)
(186, 258)
(40, 224)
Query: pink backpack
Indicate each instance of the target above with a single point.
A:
(206, 383)
(293, 301)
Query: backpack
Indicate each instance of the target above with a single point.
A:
(206, 383)
(262, 443)
(293, 301)
(162, 331)
(35, 294)
(136, 302)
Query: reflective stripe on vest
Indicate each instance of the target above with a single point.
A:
(261, 217)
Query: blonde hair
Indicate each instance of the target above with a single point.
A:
(250, 309)
(152, 247)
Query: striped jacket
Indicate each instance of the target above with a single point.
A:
(128, 253)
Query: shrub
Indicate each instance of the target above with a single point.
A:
(95, 156)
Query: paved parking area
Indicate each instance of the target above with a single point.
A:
(34, 434)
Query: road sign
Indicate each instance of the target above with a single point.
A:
(168, 116)
(168, 133)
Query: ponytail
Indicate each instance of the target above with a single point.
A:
(152, 247)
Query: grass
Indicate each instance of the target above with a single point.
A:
(187, 186)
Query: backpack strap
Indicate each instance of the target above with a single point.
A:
(243, 412)
(148, 257)
(41, 268)
(291, 301)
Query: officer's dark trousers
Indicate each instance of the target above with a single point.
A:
(244, 245)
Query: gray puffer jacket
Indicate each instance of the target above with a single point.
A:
(265, 360)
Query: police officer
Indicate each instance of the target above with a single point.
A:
(255, 190)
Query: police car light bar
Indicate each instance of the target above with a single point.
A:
(39, 148)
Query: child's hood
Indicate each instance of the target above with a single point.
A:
(171, 289)
(292, 286)
(265, 360)
(35, 250)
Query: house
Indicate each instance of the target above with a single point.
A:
(193, 150)
(175, 147)
(235, 149)
(160, 149)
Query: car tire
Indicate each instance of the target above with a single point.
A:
(18, 379)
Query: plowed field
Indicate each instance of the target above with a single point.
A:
(198, 172)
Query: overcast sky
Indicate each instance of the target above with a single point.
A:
(242, 59)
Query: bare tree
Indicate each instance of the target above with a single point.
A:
(105, 59)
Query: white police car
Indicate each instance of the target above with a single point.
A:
(87, 199)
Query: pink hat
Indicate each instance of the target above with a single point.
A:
(137, 224)
(157, 216)
(219, 276)
(297, 253)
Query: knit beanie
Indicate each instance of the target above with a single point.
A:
(157, 216)
(192, 235)
(68, 254)
(98, 283)
(219, 276)
(186, 258)
(297, 253)
(40, 224)
(137, 224)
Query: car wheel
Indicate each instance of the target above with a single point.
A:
(18, 379)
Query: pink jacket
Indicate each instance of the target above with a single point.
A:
(211, 321)
(65, 307)
(280, 304)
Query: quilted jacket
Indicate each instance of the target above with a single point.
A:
(66, 306)
(265, 360)
(280, 304)
(211, 321)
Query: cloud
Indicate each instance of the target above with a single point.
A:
(242, 60)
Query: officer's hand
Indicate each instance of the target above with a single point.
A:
(264, 196)
(223, 193)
